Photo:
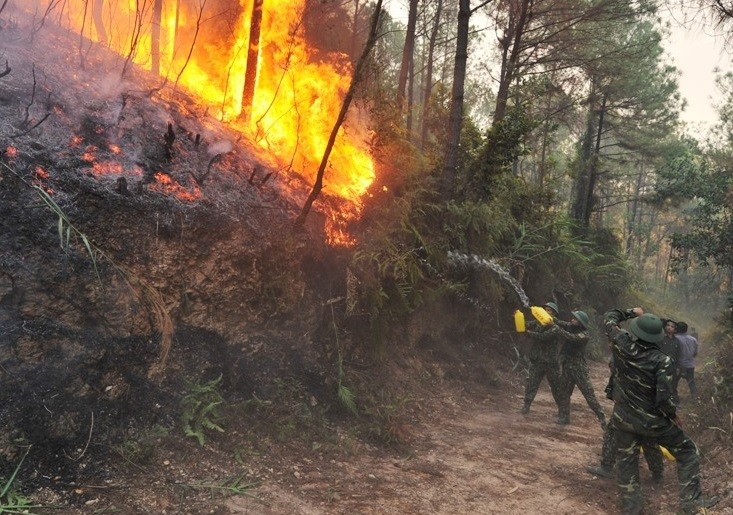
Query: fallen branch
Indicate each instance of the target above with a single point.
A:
(7, 68)
(19, 134)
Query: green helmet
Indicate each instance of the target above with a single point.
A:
(553, 307)
(582, 317)
(648, 328)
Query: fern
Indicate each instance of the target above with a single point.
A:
(201, 410)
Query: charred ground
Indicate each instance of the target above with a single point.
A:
(175, 211)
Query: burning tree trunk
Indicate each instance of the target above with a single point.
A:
(250, 76)
(97, 7)
(356, 78)
(155, 36)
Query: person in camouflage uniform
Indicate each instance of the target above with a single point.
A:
(542, 360)
(652, 451)
(644, 409)
(573, 366)
(670, 345)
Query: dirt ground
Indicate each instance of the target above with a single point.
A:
(474, 454)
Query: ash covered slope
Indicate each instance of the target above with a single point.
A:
(170, 202)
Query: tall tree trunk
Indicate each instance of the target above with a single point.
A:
(634, 217)
(593, 166)
(429, 75)
(410, 97)
(511, 48)
(155, 36)
(456, 105)
(407, 54)
(580, 185)
(355, 79)
(250, 75)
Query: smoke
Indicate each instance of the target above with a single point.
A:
(220, 147)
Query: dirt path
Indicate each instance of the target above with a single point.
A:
(471, 457)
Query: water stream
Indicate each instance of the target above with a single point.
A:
(473, 261)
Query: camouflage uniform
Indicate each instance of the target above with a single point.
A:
(652, 452)
(542, 362)
(670, 346)
(574, 371)
(644, 409)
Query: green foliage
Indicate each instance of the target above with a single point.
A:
(502, 146)
(201, 409)
(12, 501)
(392, 262)
(704, 194)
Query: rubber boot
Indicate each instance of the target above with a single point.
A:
(601, 471)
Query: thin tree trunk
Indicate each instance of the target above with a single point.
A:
(456, 105)
(97, 8)
(355, 79)
(250, 77)
(407, 54)
(511, 48)
(580, 186)
(429, 75)
(593, 168)
(410, 97)
(155, 36)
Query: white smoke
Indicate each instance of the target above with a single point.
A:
(220, 147)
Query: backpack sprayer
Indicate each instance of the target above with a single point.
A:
(538, 312)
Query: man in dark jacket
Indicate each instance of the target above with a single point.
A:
(644, 409)
(542, 360)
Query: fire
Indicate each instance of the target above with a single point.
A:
(89, 154)
(203, 47)
(40, 176)
(165, 184)
(100, 168)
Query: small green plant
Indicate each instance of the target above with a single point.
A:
(11, 501)
(227, 487)
(345, 396)
(201, 409)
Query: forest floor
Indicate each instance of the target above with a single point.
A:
(474, 453)
(467, 452)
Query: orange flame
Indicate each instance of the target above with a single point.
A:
(203, 47)
(100, 168)
(166, 185)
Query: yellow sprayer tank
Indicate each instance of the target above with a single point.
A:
(541, 314)
(519, 321)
